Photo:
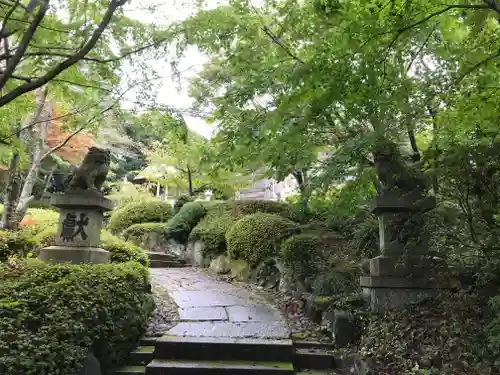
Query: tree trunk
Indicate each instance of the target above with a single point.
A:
(305, 191)
(16, 201)
(190, 182)
(435, 150)
(11, 194)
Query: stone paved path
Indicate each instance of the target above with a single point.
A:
(210, 308)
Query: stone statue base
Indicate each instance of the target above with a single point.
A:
(78, 237)
(63, 254)
(389, 292)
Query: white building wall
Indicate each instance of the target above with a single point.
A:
(269, 189)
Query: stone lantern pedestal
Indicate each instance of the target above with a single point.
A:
(78, 237)
(402, 271)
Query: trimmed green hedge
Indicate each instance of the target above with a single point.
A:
(301, 253)
(257, 237)
(121, 251)
(137, 231)
(220, 216)
(180, 226)
(139, 212)
(52, 316)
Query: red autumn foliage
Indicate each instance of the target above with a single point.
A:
(75, 149)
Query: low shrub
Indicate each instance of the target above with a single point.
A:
(139, 212)
(212, 228)
(15, 243)
(257, 237)
(302, 254)
(179, 227)
(444, 335)
(220, 216)
(137, 231)
(181, 201)
(121, 251)
(342, 279)
(52, 316)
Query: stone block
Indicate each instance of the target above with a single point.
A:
(84, 199)
(394, 201)
(75, 255)
(220, 265)
(346, 329)
(312, 309)
(194, 254)
(240, 270)
(79, 227)
(382, 266)
(91, 366)
(385, 293)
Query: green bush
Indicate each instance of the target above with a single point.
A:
(139, 212)
(341, 279)
(15, 243)
(181, 201)
(179, 227)
(137, 231)
(257, 237)
(302, 254)
(220, 216)
(121, 251)
(52, 316)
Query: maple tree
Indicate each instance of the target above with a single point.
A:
(64, 52)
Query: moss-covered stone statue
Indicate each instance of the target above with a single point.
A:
(92, 172)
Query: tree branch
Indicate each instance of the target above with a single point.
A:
(493, 5)
(477, 66)
(29, 86)
(6, 18)
(92, 59)
(277, 41)
(23, 45)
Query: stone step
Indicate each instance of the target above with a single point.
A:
(166, 264)
(154, 255)
(141, 356)
(148, 341)
(303, 344)
(179, 367)
(131, 370)
(313, 359)
(223, 348)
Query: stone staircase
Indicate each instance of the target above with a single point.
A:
(172, 355)
(162, 260)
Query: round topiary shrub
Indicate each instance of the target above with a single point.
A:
(139, 212)
(257, 237)
(179, 227)
(302, 254)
